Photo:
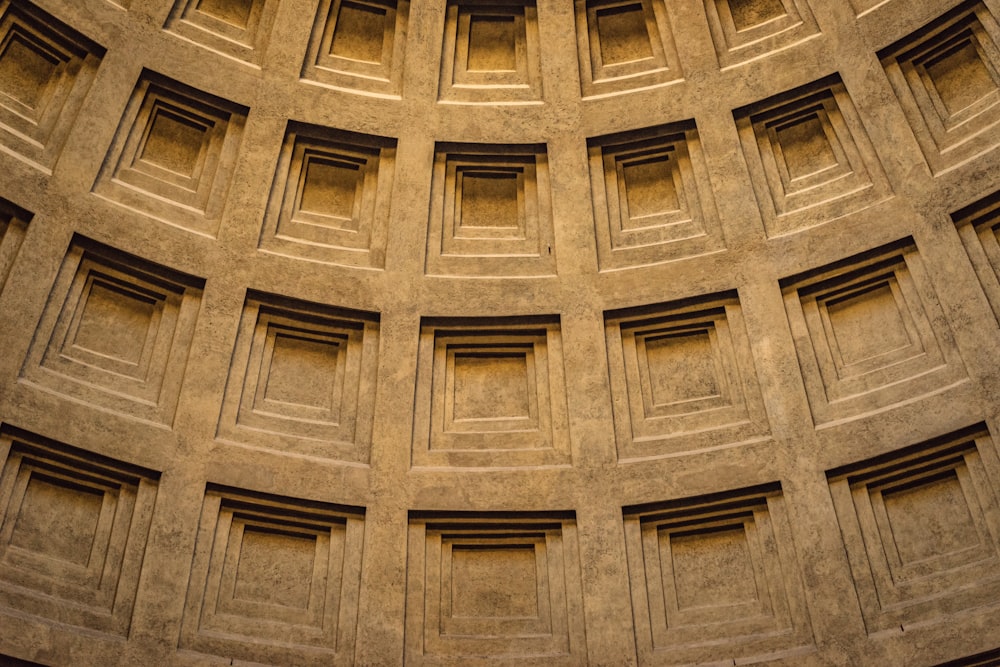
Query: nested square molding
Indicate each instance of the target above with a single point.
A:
(239, 29)
(653, 199)
(46, 69)
(491, 211)
(922, 529)
(274, 578)
(624, 45)
(330, 197)
(979, 226)
(507, 586)
(302, 379)
(744, 30)
(810, 158)
(73, 530)
(115, 333)
(682, 377)
(947, 78)
(173, 155)
(870, 333)
(490, 392)
(491, 52)
(716, 576)
(358, 45)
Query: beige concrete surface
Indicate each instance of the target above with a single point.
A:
(482, 332)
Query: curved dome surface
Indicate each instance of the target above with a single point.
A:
(475, 332)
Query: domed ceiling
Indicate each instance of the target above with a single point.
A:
(481, 332)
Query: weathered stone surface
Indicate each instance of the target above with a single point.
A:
(481, 332)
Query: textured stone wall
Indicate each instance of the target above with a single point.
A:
(463, 332)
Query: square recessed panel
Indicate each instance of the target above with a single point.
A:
(713, 567)
(473, 605)
(490, 395)
(682, 378)
(302, 379)
(870, 334)
(492, 43)
(680, 370)
(330, 199)
(653, 199)
(26, 68)
(804, 147)
(239, 29)
(45, 71)
(304, 370)
(650, 187)
(914, 509)
(115, 327)
(867, 324)
(330, 188)
(681, 367)
(810, 158)
(474, 570)
(494, 385)
(173, 154)
(490, 53)
(744, 30)
(56, 521)
(358, 45)
(505, 586)
(491, 389)
(491, 213)
(274, 571)
(623, 34)
(490, 200)
(624, 45)
(171, 150)
(960, 77)
(73, 528)
(175, 142)
(264, 550)
(359, 33)
(715, 576)
(280, 570)
(117, 322)
(920, 528)
(947, 77)
(116, 333)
